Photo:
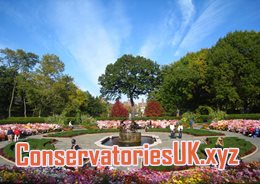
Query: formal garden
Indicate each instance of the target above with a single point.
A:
(190, 99)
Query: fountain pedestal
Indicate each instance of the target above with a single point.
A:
(129, 138)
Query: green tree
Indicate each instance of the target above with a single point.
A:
(49, 85)
(234, 64)
(129, 75)
(20, 62)
(184, 85)
(6, 85)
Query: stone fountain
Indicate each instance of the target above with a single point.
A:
(129, 137)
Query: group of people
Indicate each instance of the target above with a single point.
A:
(16, 133)
(254, 132)
(179, 129)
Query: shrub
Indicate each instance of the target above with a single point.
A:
(57, 119)
(204, 110)
(217, 115)
(118, 110)
(153, 109)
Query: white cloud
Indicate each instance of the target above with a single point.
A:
(206, 24)
(171, 30)
(83, 29)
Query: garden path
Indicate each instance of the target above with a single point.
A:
(87, 141)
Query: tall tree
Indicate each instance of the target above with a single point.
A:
(6, 85)
(129, 75)
(234, 64)
(20, 62)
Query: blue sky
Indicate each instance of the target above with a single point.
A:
(89, 34)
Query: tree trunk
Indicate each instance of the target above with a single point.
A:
(11, 101)
(132, 107)
(24, 107)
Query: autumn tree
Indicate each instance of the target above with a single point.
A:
(118, 110)
(153, 109)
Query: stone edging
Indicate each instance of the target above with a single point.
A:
(158, 141)
(250, 153)
(10, 161)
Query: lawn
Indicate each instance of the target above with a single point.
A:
(37, 144)
(73, 133)
(245, 147)
(195, 132)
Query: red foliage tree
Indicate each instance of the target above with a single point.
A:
(118, 110)
(153, 108)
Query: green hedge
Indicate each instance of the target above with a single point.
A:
(243, 116)
(23, 120)
(73, 133)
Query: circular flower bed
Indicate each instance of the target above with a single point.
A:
(28, 129)
(141, 123)
(244, 173)
(236, 125)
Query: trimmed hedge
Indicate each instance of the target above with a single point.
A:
(23, 120)
(243, 116)
(73, 133)
(203, 118)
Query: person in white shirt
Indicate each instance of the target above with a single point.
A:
(180, 130)
(172, 128)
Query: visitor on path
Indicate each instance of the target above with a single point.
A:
(70, 125)
(172, 128)
(74, 145)
(256, 132)
(180, 130)
(17, 134)
(251, 131)
(10, 134)
(191, 123)
(219, 143)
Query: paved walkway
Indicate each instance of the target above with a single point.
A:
(87, 141)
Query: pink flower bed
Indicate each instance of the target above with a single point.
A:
(244, 173)
(141, 123)
(236, 125)
(28, 129)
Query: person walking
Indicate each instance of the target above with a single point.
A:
(74, 144)
(256, 132)
(172, 128)
(10, 134)
(191, 123)
(17, 134)
(180, 130)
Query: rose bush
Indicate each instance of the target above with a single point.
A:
(28, 129)
(236, 125)
(141, 123)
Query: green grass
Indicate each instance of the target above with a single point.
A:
(245, 148)
(235, 142)
(195, 132)
(37, 144)
(73, 133)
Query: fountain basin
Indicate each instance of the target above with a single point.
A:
(110, 141)
(128, 139)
